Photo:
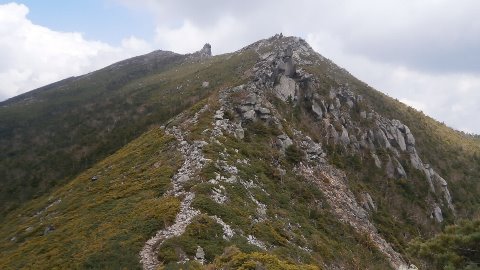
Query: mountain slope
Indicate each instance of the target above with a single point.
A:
(286, 162)
(50, 134)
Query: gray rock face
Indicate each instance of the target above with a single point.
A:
(390, 169)
(286, 88)
(414, 158)
(283, 141)
(285, 64)
(251, 99)
(332, 133)
(444, 188)
(312, 149)
(399, 170)
(382, 139)
(218, 115)
(429, 175)
(344, 138)
(377, 161)
(409, 136)
(249, 115)
(437, 213)
(317, 109)
(239, 133)
(400, 140)
(263, 112)
(367, 202)
(206, 51)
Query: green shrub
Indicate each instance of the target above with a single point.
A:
(293, 154)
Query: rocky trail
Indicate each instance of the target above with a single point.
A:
(193, 161)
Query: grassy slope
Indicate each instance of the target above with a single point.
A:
(97, 223)
(103, 224)
(71, 126)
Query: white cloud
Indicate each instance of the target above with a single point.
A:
(33, 56)
(188, 37)
(452, 98)
(423, 52)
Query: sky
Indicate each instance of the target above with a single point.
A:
(425, 53)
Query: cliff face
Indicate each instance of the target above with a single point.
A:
(286, 162)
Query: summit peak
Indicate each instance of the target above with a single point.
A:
(206, 50)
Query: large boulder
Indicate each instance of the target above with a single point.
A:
(286, 88)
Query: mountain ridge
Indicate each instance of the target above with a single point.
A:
(272, 162)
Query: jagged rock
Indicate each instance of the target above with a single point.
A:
(239, 133)
(400, 140)
(285, 64)
(286, 88)
(367, 202)
(377, 161)
(350, 103)
(206, 51)
(414, 158)
(382, 138)
(317, 109)
(205, 84)
(263, 110)
(399, 169)
(409, 136)
(429, 175)
(245, 108)
(437, 213)
(249, 115)
(218, 115)
(332, 133)
(251, 99)
(344, 138)
(283, 141)
(444, 187)
(313, 150)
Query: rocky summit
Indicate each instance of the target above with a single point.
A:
(270, 157)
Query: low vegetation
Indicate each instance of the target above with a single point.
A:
(457, 247)
(97, 224)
